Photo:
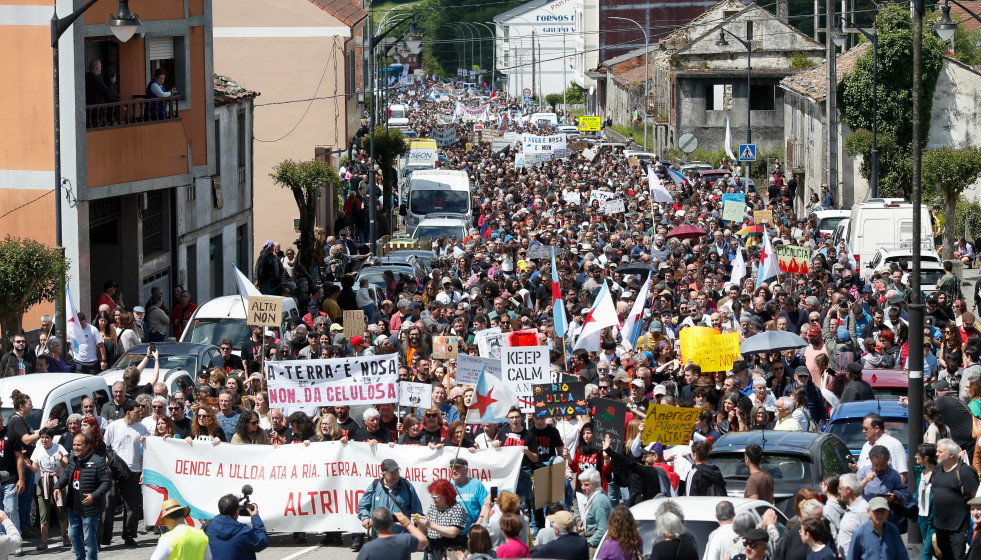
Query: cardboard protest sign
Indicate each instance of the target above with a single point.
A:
(572, 197)
(550, 484)
(468, 368)
(710, 350)
(525, 366)
(609, 418)
(615, 206)
(445, 347)
(792, 258)
(490, 342)
(559, 399)
(265, 311)
(589, 154)
(763, 216)
(418, 395)
(337, 381)
(353, 323)
(734, 211)
(669, 425)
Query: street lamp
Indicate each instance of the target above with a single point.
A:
(463, 48)
(721, 42)
(123, 25)
(647, 69)
(839, 40)
(946, 27)
(493, 38)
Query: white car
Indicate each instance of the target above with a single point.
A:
(54, 395)
(435, 226)
(828, 220)
(699, 512)
(884, 258)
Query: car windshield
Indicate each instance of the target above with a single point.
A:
(700, 529)
(185, 362)
(783, 467)
(829, 224)
(713, 177)
(398, 114)
(33, 419)
(850, 431)
(375, 275)
(930, 277)
(422, 202)
(435, 232)
(211, 331)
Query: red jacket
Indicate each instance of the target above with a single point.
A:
(180, 316)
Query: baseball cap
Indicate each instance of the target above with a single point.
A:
(815, 331)
(356, 340)
(459, 462)
(562, 519)
(336, 327)
(660, 390)
(636, 383)
(389, 466)
(877, 503)
(139, 309)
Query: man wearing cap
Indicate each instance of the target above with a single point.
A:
(390, 491)
(181, 541)
(856, 389)
(568, 545)
(472, 494)
(84, 483)
(755, 542)
(877, 538)
(360, 347)
(139, 315)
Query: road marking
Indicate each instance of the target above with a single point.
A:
(301, 553)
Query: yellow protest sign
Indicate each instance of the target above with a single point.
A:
(590, 124)
(710, 350)
(669, 425)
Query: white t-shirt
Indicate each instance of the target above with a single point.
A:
(87, 347)
(46, 458)
(897, 453)
(124, 439)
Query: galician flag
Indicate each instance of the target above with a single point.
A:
(558, 305)
(491, 401)
(729, 153)
(601, 315)
(677, 177)
(632, 325)
(658, 191)
(738, 268)
(75, 332)
(768, 261)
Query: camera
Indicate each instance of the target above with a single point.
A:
(245, 502)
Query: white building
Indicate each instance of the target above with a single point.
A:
(215, 215)
(544, 45)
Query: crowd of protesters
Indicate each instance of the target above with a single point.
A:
(500, 276)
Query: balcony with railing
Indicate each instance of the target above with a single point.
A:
(132, 113)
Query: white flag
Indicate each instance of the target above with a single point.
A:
(738, 268)
(603, 314)
(245, 288)
(729, 153)
(75, 332)
(658, 190)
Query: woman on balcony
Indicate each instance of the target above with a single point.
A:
(154, 90)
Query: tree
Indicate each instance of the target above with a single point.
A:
(307, 180)
(951, 170)
(553, 99)
(389, 146)
(29, 274)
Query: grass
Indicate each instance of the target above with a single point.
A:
(637, 131)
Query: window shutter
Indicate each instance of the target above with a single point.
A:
(160, 48)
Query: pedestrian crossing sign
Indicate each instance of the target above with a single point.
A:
(747, 152)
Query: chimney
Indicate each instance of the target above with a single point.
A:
(782, 10)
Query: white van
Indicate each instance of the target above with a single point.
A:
(54, 395)
(398, 115)
(544, 120)
(441, 191)
(883, 222)
(224, 317)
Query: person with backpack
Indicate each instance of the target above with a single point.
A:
(705, 479)
(954, 483)
(390, 491)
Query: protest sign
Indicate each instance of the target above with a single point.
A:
(738, 197)
(609, 418)
(490, 342)
(353, 323)
(498, 144)
(419, 395)
(733, 211)
(792, 258)
(711, 351)
(445, 347)
(572, 197)
(534, 144)
(468, 368)
(311, 488)
(554, 400)
(589, 154)
(338, 381)
(633, 162)
(763, 216)
(669, 425)
(525, 366)
(601, 196)
(445, 137)
(615, 206)
(550, 484)
(686, 337)
(264, 311)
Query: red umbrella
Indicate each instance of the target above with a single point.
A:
(687, 231)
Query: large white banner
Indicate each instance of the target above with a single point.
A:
(534, 144)
(444, 137)
(302, 488)
(338, 381)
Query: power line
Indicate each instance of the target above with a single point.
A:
(28, 203)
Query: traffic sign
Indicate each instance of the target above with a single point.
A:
(687, 143)
(590, 124)
(526, 92)
(747, 152)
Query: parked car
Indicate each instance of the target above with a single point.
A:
(435, 226)
(179, 364)
(224, 317)
(887, 384)
(795, 460)
(846, 421)
(828, 220)
(54, 395)
(425, 256)
(713, 175)
(885, 257)
(699, 512)
(374, 272)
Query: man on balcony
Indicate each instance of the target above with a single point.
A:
(155, 90)
(96, 90)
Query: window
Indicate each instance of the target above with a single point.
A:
(715, 97)
(351, 87)
(153, 223)
(191, 265)
(191, 192)
(242, 248)
(217, 146)
(762, 98)
(217, 258)
(167, 52)
(241, 139)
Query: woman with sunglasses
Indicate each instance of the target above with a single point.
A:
(205, 426)
(433, 430)
(248, 431)
(951, 351)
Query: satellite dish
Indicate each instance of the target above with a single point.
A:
(687, 143)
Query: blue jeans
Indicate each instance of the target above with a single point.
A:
(87, 547)
(25, 500)
(926, 530)
(8, 493)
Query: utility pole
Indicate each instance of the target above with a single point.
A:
(831, 102)
(565, 83)
(817, 18)
(533, 88)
